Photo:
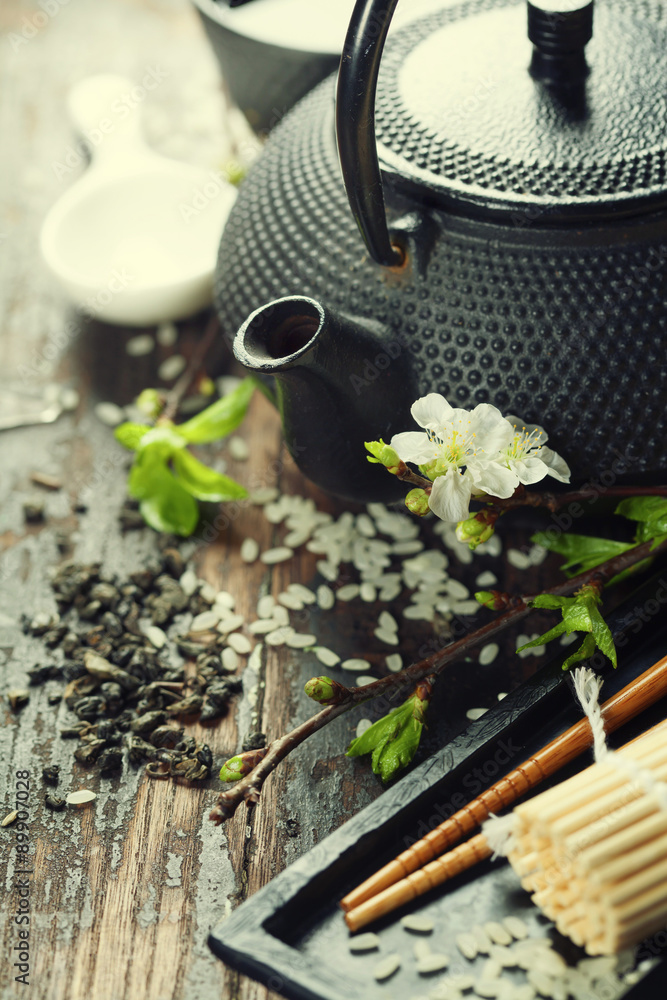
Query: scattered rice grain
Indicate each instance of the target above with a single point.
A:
(80, 798)
(265, 606)
(364, 942)
(414, 922)
(205, 621)
(355, 664)
(230, 624)
(368, 593)
(249, 550)
(138, 347)
(238, 449)
(239, 643)
(384, 635)
(109, 414)
(326, 656)
(467, 946)
(277, 555)
(497, 933)
(387, 967)
(156, 636)
(432, 963)
(301, 640)
(171, 368)
(394, 662)
(488, 653)
(348, 592)
(266, 494)
(515, 925)
(486, 579)
(230, 659)
(476, 713)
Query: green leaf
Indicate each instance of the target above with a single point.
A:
(603, 637)
(581, 551)
(385, 728)
(393, 740)
(549, 601)
(164, 504)
(129, 435)
(398, 753)
(222, 417)
(542, 640)
(202, 482)
(643, 508)
(584, 652)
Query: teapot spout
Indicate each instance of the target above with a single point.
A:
(319, 361)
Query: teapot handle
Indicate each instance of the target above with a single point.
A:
(355, 125)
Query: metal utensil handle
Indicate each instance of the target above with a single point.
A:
(355, 124)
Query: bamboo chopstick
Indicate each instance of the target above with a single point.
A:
(476, 849)
(644, 691)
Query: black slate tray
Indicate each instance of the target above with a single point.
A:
(291, 936)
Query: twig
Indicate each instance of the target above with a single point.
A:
(176, 394)
(249, 787)
(554, 501)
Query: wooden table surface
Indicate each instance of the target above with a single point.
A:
(123, 894)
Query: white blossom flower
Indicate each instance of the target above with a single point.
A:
(475, 452)
(528, 458)
(454, 440)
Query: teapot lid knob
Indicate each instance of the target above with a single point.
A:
(560, 31)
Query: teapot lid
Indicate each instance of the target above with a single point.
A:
(475, 111)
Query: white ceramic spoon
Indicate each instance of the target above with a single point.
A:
(133, 241)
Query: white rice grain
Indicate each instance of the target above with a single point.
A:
(230, 624)
(239, 643)
(265, 606)
(304, 593)
(277, 555)
(476, 713)
(497, 933)
(238, 449)
(326, 656)
(488, 653)
(348, 592)
(384, 635)
(249, 550)
(364, 942)
(362, 726)
(230, 659)
(355, 665)
(387, 967)
(325, 597)
(301, 640)
(432, 963)
(394, 662)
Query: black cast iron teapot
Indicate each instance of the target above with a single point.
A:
(508, 247)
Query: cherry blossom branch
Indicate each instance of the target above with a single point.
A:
(554, 501)
(248, 787)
